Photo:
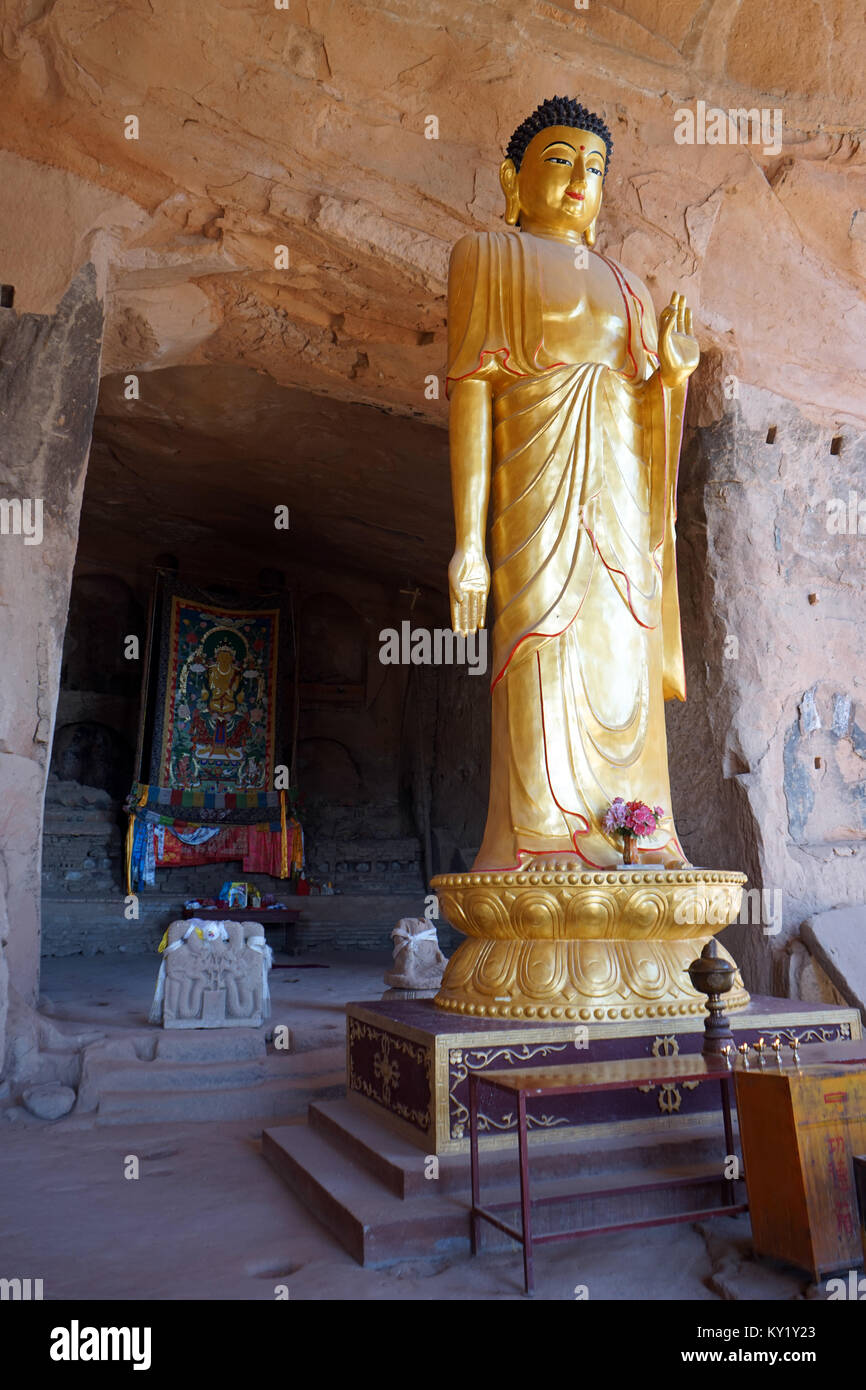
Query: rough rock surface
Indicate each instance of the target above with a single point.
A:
(768, 755)
(49, 1102)
(308, 128)
(738, 1275)
(838, 940)
(48, 385)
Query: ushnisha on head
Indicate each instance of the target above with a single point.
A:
(554, 171)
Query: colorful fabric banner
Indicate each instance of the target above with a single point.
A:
(210, 808)
(261, 849)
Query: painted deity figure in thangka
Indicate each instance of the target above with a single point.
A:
(224, 679)
(219, 716)
(225, 711)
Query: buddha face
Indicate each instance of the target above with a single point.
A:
(559, 185)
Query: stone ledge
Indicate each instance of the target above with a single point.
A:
(837, 940)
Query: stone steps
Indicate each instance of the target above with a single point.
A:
(267, 1100)
(111, 1076)
(399, 1164)
(369, 1221)
(395, 1162)
(181, 1082)
(367, 1184)
(209, 1044)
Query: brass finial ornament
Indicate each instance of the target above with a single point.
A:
(714, 977)
(587, 393)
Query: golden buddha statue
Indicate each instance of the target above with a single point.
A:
(566, 415)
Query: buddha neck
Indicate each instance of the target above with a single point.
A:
(570, 238)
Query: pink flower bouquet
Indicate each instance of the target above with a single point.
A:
(633, 820)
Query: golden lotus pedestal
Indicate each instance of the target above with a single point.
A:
(561, 944)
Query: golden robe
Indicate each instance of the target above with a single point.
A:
(586, 642)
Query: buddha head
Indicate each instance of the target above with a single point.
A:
(553, 173)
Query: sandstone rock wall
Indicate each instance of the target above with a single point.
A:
(48, 386)
(768, 753)
(308, 128)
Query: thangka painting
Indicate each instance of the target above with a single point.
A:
(217, 705)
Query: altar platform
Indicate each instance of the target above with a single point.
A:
(408, 1063)
(387, 1168)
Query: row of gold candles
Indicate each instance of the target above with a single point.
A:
(760, 1047)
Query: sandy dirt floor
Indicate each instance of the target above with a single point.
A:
(208, 1218)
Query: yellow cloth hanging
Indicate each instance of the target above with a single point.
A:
(127, 864)
(284, 856)
(162, 945)
(130, 831)
(297, 846)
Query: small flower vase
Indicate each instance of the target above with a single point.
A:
(629, 847)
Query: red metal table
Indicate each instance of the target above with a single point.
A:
(587, 1077)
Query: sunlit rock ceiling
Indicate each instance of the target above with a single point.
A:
(316, 367)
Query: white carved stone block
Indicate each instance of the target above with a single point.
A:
(213, 975)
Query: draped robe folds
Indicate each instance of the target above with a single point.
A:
(586, 640)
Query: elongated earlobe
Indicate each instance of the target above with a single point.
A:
(508, 180)
(589, 234)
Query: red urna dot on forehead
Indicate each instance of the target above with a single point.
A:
(583, 147)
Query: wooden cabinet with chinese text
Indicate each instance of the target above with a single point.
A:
(799, 1128)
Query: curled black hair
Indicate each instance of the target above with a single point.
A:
(557, 111)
